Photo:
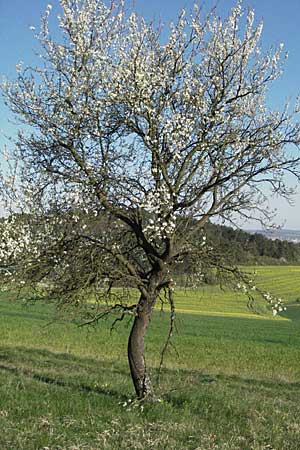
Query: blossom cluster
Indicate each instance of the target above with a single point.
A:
(160, 220)
(276, 303)
(14, 239)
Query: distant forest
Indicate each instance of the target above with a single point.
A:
(246, 248)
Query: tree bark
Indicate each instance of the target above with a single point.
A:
(136, 347)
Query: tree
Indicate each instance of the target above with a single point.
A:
(135, 141)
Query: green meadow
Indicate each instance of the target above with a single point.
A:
(231, 381)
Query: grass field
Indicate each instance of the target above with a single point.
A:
(234, 385)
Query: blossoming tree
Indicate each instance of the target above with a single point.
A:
(136, 137)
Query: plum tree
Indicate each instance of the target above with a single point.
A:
(135, 136)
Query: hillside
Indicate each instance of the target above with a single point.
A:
(248, 248)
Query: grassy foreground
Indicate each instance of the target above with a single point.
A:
(235, 384)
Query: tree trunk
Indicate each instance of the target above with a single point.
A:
(136, 348)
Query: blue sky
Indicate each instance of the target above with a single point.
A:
(281, 24)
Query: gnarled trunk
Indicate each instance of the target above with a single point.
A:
(136, 347)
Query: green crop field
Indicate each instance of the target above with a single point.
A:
(232, 383)
(283, 281)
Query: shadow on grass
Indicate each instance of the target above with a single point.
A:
(84, 374)
(292, 312)
(207, 378)
(190, 383)
(66, 370)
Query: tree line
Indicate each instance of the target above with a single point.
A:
(248, 248)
